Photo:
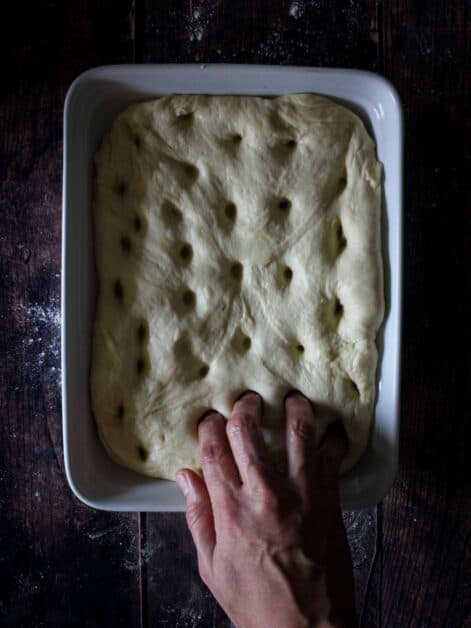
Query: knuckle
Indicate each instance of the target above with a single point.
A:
(194, 514)
(302, 430)
(270, 502)
(228, 505)
(267, 497)
(241, 422)
(213, 452)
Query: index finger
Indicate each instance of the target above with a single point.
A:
(246, 440)
(217, 463)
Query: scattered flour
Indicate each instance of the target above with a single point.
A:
(296, 9)
(200, 19)
(359, 526)
(41, 339)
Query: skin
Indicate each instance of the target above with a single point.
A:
(271, 548)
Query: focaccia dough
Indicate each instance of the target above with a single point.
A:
(237, 246)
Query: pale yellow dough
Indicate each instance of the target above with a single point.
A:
(237, 246)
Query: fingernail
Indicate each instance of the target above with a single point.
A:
(247, 392)
(182, 483)
(207, 414)
(294, 393)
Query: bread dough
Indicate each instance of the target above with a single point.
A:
(237, 246)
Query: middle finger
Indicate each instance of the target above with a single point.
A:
(300, 444)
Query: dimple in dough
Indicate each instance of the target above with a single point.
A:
(237, 246)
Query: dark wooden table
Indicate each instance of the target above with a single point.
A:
(63, 564)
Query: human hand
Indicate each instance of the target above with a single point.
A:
(272, 548)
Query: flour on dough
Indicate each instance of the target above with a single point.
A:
(237, 246)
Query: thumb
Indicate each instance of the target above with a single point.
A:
(199, 516)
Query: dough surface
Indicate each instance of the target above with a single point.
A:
(237, 246)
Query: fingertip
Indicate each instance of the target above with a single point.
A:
(251, 401)
(294, 392)
(208, 414)
(296, 403)
(246, 393)
(207, 418)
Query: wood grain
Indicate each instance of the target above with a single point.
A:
(61, 563)
(302, 32)
(176, 595)
(426, 530)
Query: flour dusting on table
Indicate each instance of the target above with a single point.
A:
(41, 338)
(200, 19)
(296, 9)
(359, 526)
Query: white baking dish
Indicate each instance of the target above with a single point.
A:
(92, 102)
